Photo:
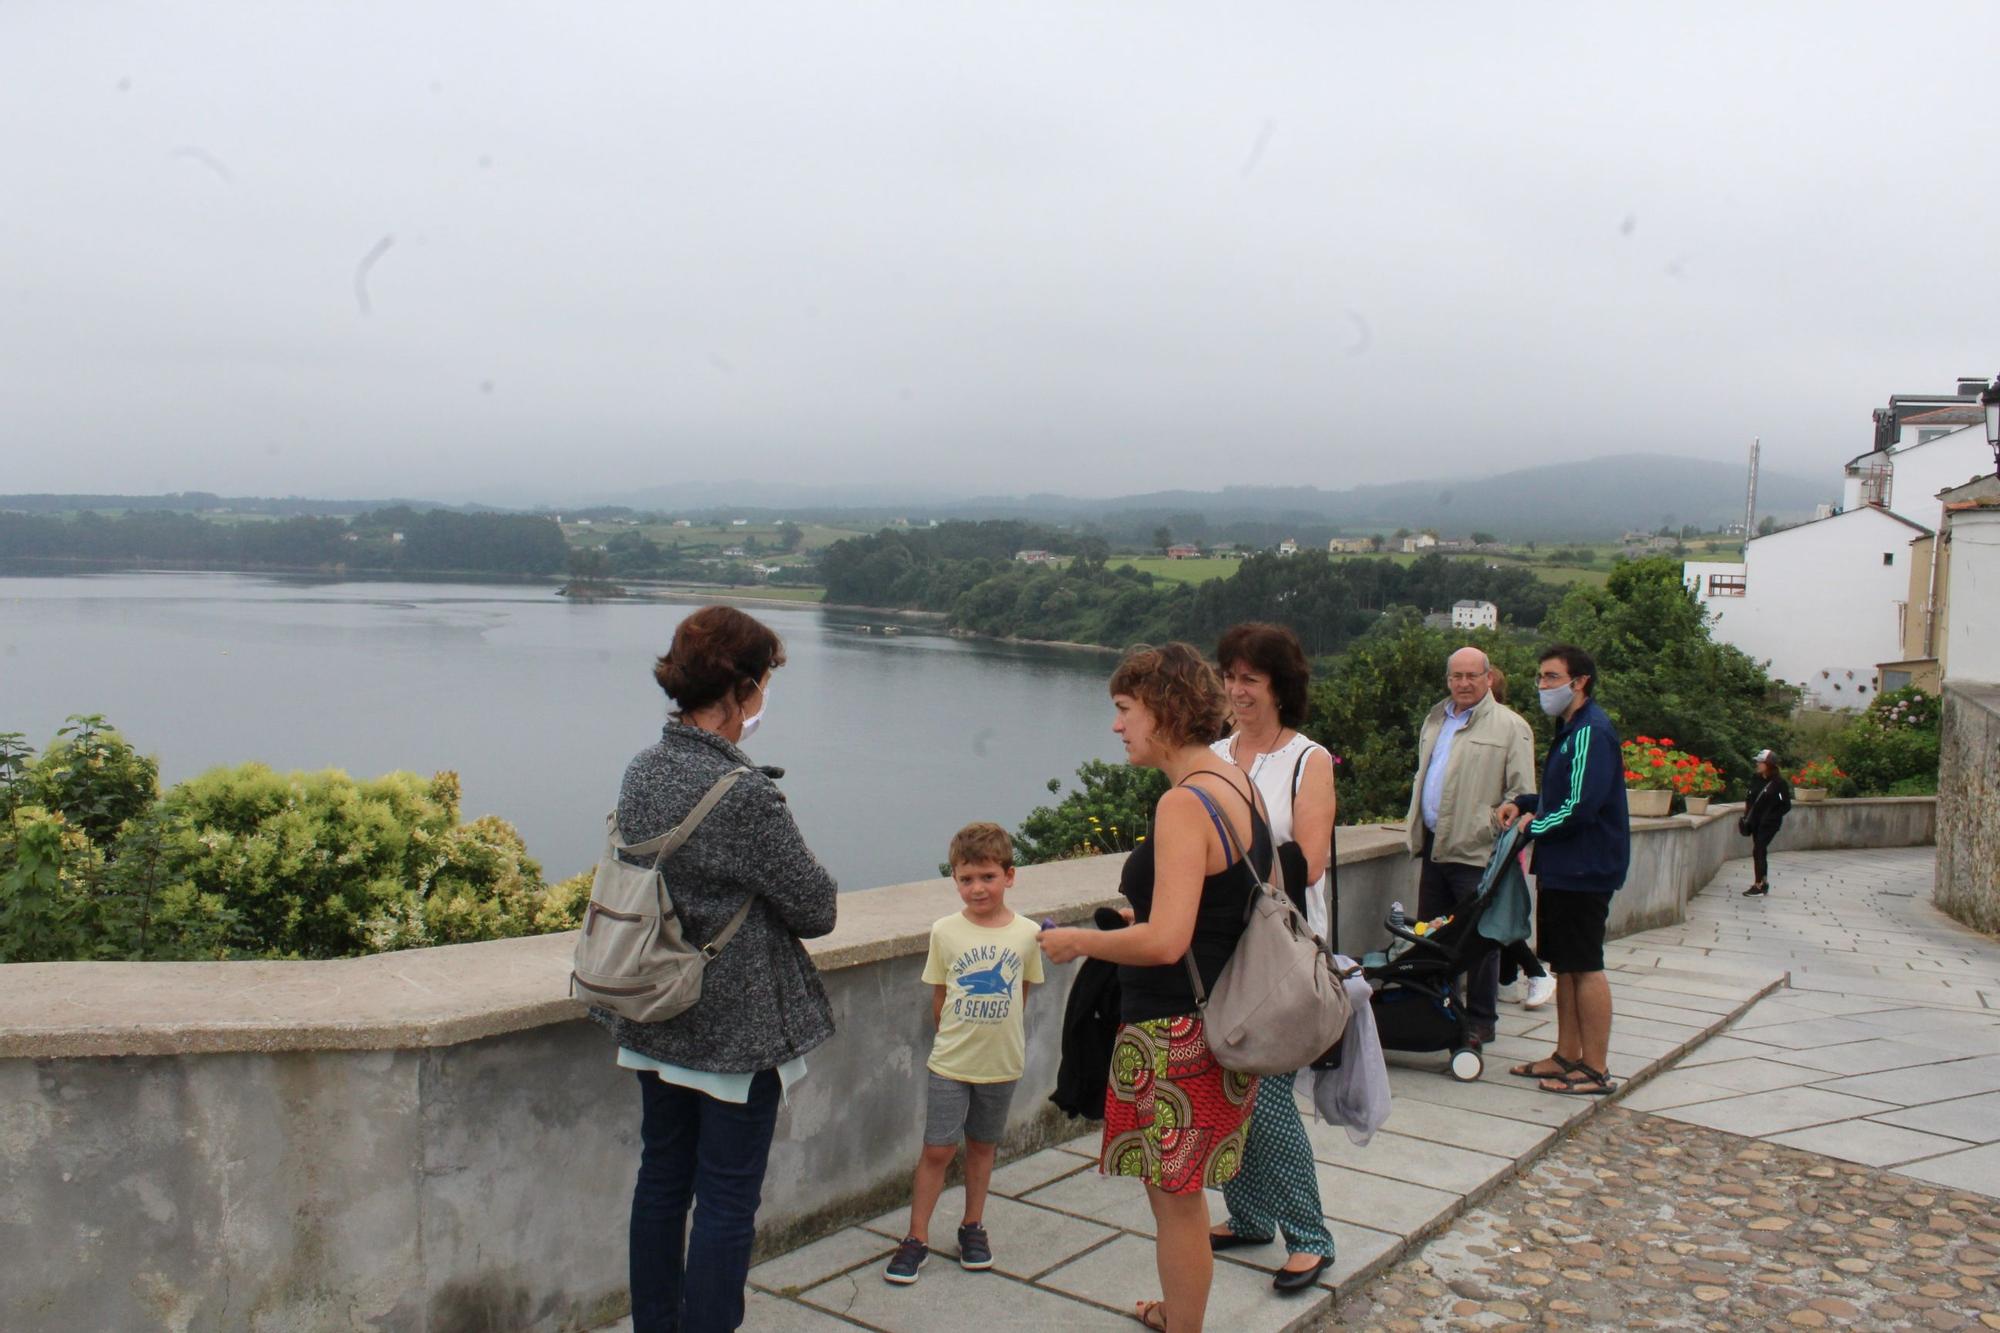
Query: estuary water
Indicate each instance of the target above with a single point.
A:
(889, 743)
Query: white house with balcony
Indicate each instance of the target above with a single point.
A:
(1821, 602)
(1468, 614)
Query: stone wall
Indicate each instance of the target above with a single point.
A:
(1968, 801)
(433, 1141)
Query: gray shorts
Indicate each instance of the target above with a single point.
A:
(978, 1111)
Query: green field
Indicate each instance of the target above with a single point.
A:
(1198, 570)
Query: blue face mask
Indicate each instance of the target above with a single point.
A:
(1556, 702)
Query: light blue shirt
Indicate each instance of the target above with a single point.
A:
(723, 1087)
(1440, 759)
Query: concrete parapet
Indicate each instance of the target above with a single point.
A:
(435, 1140)
(1968, 801)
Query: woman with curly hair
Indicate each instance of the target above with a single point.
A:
(1172, 1115)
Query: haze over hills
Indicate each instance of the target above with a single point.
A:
(1596, 499)
(1599, 498)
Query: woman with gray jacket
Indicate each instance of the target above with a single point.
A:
(711, 1078)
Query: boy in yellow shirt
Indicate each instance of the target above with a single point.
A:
(982, 961)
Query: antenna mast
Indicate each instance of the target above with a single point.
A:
(1750, 501)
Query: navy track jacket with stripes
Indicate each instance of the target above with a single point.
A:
(1582, 832)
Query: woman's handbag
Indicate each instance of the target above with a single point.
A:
(1279, 1003)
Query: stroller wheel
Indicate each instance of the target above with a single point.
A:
(1466, 1065)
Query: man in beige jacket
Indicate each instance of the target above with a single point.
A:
(1473, 754)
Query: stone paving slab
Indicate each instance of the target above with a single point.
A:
(1900, 1072)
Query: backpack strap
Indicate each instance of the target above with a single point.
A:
(666, 844)
(1233, 848)
(674, 838)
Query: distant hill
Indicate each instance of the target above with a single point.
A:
(205, 502)
(1599, 498)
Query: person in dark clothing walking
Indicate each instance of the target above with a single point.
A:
(1763, 817)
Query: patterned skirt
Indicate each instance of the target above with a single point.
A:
(1172, 1115)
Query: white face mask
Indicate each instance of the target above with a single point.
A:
(756, 719)
(1556, 702)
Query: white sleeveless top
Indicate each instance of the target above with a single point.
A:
(1272, 774)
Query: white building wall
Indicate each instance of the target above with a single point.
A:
(1818, 599)
(1924, 470)
(1973, 628)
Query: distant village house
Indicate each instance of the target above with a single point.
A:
(1469, 614)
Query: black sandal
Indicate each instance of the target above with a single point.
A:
(1581, 1081)
(1564, 1068)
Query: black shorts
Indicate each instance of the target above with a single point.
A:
(1569, 929)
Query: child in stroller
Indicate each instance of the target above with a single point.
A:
(1419, 981)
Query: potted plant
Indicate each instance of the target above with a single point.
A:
(1810, 783)
(1698, 781)
(1649, 770)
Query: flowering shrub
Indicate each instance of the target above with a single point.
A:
(1651, 765)
(244, 862)
(1819, 773)
(1893, 746)
(1109, 812)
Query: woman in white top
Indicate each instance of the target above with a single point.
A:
(1265, 678)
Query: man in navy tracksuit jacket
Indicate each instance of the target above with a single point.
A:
(1583, 846)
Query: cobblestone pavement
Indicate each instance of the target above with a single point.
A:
(1638, 1222)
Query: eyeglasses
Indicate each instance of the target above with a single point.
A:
(1465, 677)
(1550, 678)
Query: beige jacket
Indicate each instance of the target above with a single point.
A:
(1492, 761)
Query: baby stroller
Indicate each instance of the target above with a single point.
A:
(1418, 1000)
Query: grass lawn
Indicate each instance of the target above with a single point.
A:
(1199, 570)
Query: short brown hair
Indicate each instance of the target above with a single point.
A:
(1276, 652)
(981, 842)
(1497, 683)
(715, 651)
(1178, 688)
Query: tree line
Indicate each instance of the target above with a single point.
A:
(393, 539)
(968, 571)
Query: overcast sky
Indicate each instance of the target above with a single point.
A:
(539, 252)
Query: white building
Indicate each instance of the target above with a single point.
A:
(1973, 653)
(1933, 453)
(1474, 615)
(1288, 547)
(1423, 541)
(1821, 602)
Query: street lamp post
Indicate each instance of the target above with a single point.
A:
(1990, 400)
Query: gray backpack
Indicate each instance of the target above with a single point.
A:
(1279, 1003)
(631, 956)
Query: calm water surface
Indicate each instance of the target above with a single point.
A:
(889, 744)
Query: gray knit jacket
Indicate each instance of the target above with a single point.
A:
(761, 999)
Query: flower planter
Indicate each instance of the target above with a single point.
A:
(1809, 793)
(1649, 804)
(1696, 805)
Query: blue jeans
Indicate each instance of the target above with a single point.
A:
(697, 1151)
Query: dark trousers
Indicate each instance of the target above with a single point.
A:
(1517, 958)
(1442, 887)
(710, 1154)
(1760, 849)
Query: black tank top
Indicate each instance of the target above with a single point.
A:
(1164, 992)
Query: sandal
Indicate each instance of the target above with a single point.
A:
(1580, 1081)
(1563, 1068)
(1153, 1314)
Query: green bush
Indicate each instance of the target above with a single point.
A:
(1109, 812)
(92, 777)
(245, 862)
(1892, 747)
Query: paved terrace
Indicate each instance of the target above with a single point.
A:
(1884, 1050)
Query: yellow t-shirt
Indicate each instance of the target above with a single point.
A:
(981, 1036)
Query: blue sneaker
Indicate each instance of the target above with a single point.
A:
(974, 1250)
(909, 1257)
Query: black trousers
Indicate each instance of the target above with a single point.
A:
(1516, 959)
(1445, 886)
(1760, 849)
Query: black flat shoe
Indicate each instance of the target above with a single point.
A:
(1288, 1281)
(1230, 1240)
(1756, 890)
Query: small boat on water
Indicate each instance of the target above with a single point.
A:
(864, 629)
(892, 630)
